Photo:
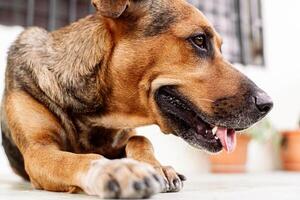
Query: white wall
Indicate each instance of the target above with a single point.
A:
(7, 36)
(282, 75)
(280, 78)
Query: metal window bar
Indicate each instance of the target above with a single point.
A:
(30, 12)
(17, 11)
(239, 29)
(91, 8)
(72, 10)
(257, 31)
(59, 12)
(245, 15)
(52, 15)
(251, 32)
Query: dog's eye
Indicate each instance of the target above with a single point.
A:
(199, 41)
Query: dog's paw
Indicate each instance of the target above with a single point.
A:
(124, 178)
(173, 181)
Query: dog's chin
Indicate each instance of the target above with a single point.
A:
(190, 124)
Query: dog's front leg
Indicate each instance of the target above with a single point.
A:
(40, 138)
(141, 149)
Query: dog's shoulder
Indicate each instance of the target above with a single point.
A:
(28, 60)
(33, 36)
(27, 52)
(30, 43)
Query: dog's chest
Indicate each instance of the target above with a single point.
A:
(107, 142)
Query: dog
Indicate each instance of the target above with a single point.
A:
(74, 96)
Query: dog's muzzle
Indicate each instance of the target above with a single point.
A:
(212, 132)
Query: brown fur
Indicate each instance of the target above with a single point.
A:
(83, 88)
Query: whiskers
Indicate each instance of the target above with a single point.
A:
(207, 100)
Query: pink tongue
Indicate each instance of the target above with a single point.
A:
(227, 138)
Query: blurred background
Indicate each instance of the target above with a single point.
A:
(260, 36)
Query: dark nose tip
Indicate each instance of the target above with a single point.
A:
(263, 102)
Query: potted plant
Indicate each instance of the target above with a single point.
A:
(290, 150)
(264, 148)
(256, 151)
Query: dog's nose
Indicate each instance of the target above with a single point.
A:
(263, 102)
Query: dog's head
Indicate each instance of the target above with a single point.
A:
(167, 67)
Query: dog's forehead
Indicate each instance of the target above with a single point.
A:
(192, 21)
(161, 16)
(176, 15)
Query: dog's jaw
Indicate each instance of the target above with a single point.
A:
(190, 124)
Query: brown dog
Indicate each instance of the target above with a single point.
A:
(73, 97)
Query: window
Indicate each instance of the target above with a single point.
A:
(240, 24)
(238, 21)
(50, 14)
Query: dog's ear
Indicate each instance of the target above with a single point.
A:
(111, 8)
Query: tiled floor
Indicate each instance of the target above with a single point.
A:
(267, 186)
(281, 186)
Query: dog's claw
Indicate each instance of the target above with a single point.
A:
(182, 177)
(147, 182)
(156, 177)
(166, 185)
(113, 186)
(176, 183)
(172, 179)
(138, 186)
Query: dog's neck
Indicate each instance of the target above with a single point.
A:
(81, 46)
(75, 60)
(80, 59)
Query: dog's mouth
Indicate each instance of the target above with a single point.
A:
(190, 124)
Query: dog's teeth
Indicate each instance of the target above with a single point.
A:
(216, 137)
(214, 130)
